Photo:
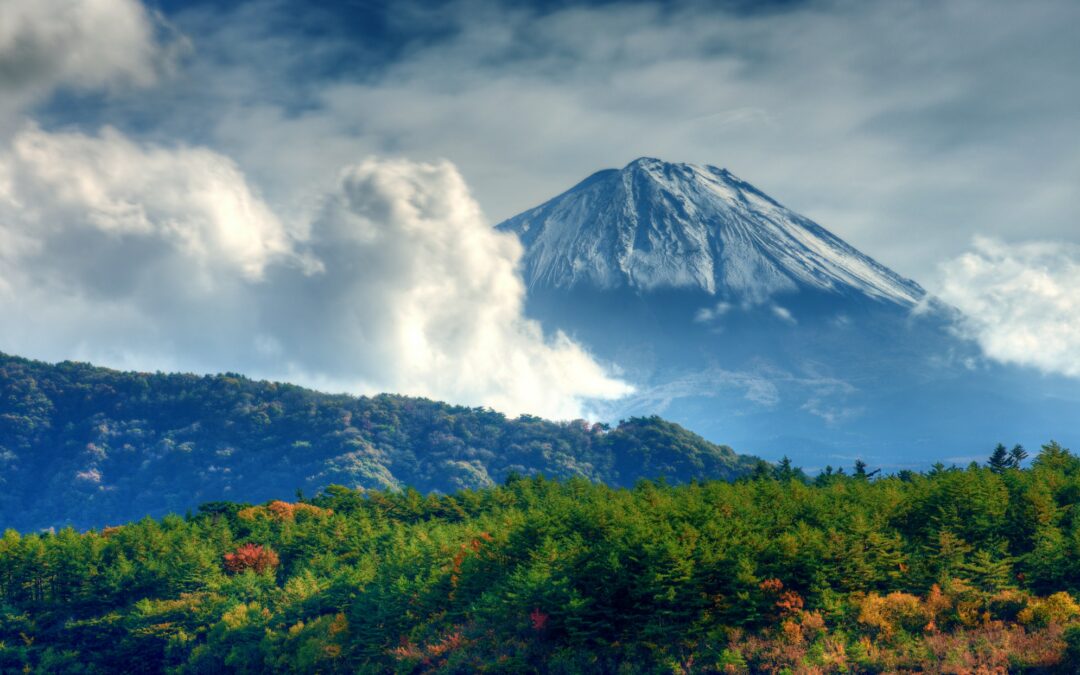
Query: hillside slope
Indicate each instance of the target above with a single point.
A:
(951, 571)
(90, 446)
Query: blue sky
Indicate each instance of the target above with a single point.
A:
(940, 138)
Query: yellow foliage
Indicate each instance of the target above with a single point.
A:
(937, 603)
(834, 658)
(793, 633)
(1059, 608)
(242, 614)
(339, 625)
(893, 612)
(282, 512)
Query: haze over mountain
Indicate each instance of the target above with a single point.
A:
(749, 322)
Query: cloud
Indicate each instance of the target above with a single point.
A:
(132, 254)
(1020, 302)
(87, 45)
(903, 126)
(707, 314)
(149, 256)
(191, 201)
(783, 314)
(420, 294)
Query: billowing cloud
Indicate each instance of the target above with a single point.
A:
(1021, 302)
(147, 256)
(81, 44)
(194, 202)
(137, 255)
(421, 295)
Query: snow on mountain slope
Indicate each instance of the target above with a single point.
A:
(655, 225)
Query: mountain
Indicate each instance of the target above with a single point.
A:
(655, 225)
(745, 321)
(89, 447)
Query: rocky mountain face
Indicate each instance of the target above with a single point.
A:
(750, 323)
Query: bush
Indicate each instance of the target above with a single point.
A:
(252, 557)
(1059, 608)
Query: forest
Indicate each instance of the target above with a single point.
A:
(970, 569)
(89, 447)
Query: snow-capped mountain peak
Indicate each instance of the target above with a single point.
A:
(658, 225)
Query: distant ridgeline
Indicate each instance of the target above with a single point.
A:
(89, 447)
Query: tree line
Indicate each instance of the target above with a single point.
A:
(949, 570)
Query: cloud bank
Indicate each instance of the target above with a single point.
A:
(904, 126)
(179, 237)
(157, 255)
(1021, 302)
(154, 257)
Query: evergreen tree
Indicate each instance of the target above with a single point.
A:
(860, 469)
(987, 572)
(1017, 456)
(1000, 460)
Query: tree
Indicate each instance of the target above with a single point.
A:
(253, 557)
(1017, 456)
(987, 572)
(785, 471)
(1000, 460)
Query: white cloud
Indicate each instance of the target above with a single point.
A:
(783, 314)
(164, 257)
(707, 314)
(82, 44)
(420, 295)
(195, 201)
(903, 126)
(1021, 302)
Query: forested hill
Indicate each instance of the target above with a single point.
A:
(954, 571)
(88, 447)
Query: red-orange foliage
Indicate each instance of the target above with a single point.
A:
(538, 619)
(251, 557)
(772, 586)
(790, 602)
(433, 654)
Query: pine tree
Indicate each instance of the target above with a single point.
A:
(1017, 456)
(986, 572)
(1000, 459)
(783, 469)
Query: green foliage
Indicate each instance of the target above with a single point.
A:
(771, 574)
(86, 447)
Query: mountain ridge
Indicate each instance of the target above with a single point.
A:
(90, 446)
(654, 225)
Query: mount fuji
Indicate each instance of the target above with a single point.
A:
(755, 326)
(656, 225)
